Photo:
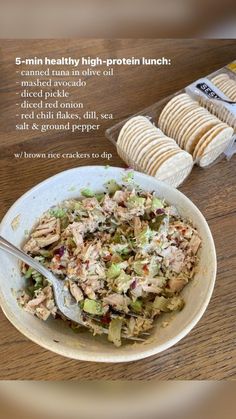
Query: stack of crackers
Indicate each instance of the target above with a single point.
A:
(195, 129)
(226, 85)
(146, 148)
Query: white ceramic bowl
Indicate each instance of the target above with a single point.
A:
(53, 334)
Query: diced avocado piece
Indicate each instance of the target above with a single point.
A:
(114, 331)
(58, 212)
(93, 307)
(135, 202)
(156, 204)
(114, 271)
(87, 192)
(136, 306)
(112, 186)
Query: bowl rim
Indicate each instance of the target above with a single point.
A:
(81, 355)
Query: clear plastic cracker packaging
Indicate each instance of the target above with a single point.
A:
(196, 125)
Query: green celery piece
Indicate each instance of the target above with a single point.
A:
(144, 236)
(93, 307)
(114, 331)
(136, 306)
(121, 283)
(58, 212)
(112, 186)
(128, 177)
(135, 201)
(156, 204)
(87, 192)
(114, 271)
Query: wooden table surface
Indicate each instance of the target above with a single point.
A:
(208, 352)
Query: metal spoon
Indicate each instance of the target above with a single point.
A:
(66, 304)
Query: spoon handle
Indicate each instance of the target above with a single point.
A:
(10, 248)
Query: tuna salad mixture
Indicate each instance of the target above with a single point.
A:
(125, 255)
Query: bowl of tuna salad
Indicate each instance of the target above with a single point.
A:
(136, 255)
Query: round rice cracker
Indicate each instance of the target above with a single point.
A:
(232, 94)
(122, 155)
(125, 127)
(222, 83)
(215, 146)
(161, 158)
(184, 124)
(224, 87)
(132, 126)
(196, 132)
(178, 106)
(175, 169)
(214, 130)
(130, 136)
(174, 113)
(194, 122)
(181, 98)
(147, 156)
(177, 116)
(130, 123)
(144, 142)
(156, 153)
(144, 137)
(156, 150)
(147, 143)
(171, 102)
(219, 77)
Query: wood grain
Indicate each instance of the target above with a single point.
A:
(208, 352)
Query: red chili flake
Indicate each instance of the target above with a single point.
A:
(57, 258)
(87, 263)
(145, 268)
